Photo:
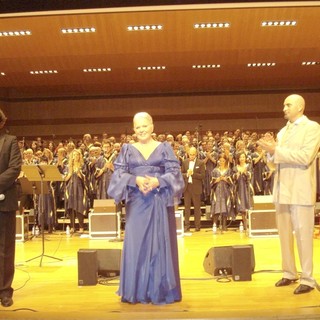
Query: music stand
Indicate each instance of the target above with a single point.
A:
(33, 188)
(41, 173)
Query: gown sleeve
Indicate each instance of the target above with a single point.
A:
(171, 181)
(121, 178)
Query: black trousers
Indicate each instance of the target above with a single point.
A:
(196, 200)
(7, 252)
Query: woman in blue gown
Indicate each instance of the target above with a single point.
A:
(243, 191)
(75, 191)
(147, 177)
(104, 170)
(221, 194)
(259, 162)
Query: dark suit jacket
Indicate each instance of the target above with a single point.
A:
(197, 177)
(10, 166)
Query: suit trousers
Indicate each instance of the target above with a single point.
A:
(196, 200)
(300, 220)
(7, 252)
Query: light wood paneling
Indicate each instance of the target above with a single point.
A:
(176, 114)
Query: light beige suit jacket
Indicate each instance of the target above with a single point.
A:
(295, 154)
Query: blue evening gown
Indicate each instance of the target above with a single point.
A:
(149, 267)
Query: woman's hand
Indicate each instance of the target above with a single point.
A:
(142, 183)
(147, 183)
(153, 182)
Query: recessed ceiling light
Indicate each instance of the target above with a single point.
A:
(151, 68)
(78, 30)
(213, 25)
(261, 64)
(206, 66)
(97, 70)
(2, 74)
(279, 23)
(15, 33)
(151, 27)
(310, 63)
(37, 72)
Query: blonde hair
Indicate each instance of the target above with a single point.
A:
(144, 115)
(81, 161)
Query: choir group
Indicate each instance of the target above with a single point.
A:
(236, 168)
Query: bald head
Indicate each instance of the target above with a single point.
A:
(293, 107)
(297, 99)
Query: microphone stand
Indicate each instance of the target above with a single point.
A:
(41, 174)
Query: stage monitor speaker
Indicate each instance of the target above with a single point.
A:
(220, 260)
(104, 206)
(242, 263)
(109, 261)
(263, 202)
(87, 267)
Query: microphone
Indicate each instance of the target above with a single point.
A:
(2, 196)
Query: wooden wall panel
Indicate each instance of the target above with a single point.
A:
(73, 118)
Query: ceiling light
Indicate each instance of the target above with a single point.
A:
(206, 66)
(78, 30)
(15, 33)
(97, 70)
(261, 64)
(213, 25)
(310, 63)
(2, 74)
(145, 27)
(150, 68)
(279, 23)
(36, 72)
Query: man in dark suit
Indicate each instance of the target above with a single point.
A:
(193, 171)
(10, 166)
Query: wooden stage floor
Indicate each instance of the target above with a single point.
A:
(51, 291)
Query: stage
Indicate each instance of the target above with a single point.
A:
(51, 291)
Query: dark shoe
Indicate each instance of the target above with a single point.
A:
(186, 229)
(6, 301)
(303, 288)
(197, 229)
(285, 282)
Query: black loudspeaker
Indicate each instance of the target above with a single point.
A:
(221, 260)
(108, 262)
(242, 263)
(218, 261)
(87, 267)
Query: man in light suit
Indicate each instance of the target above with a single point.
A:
(294, 191)
(10, 166)
(193, 171)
